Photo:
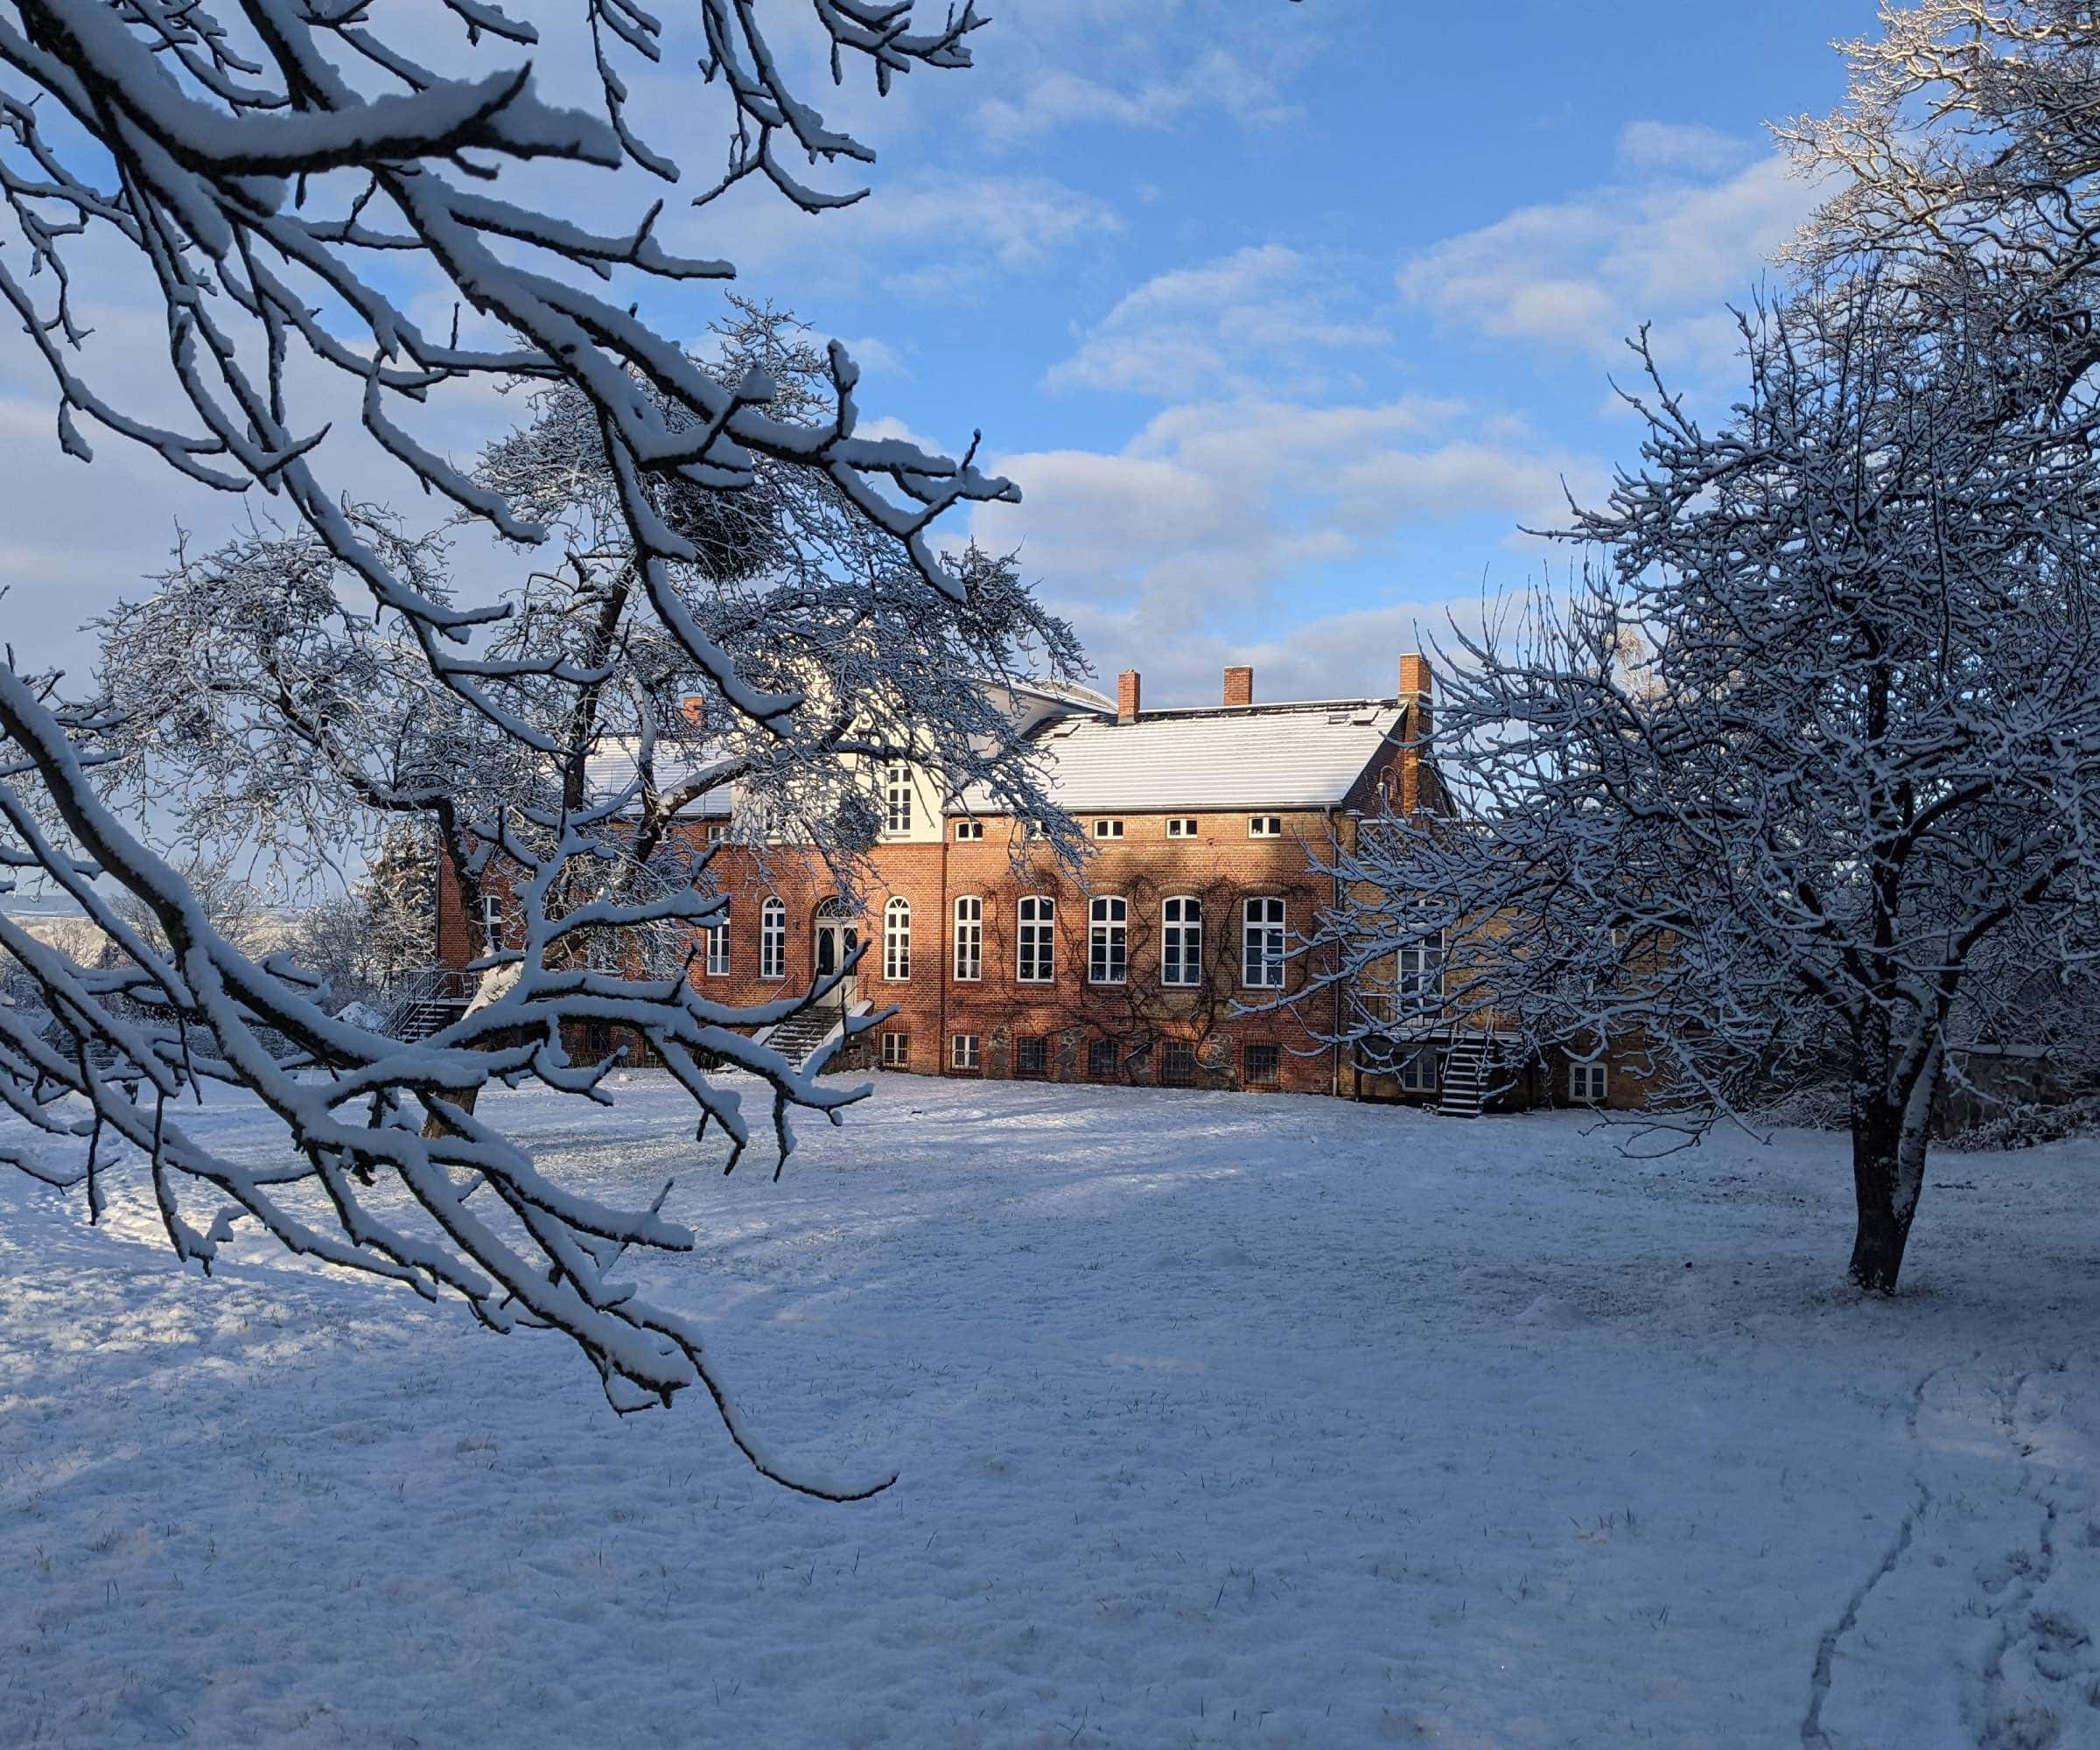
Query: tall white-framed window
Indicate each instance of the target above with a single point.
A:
(1418, 981)
(897, 940)
(1181, 942)
(1107, 941)
(1035, 940)
(717, 946)
(1261, 945)
(492, 922)
(897, 797)
(773, 940)
(963, 1051)
(1588, 1083)
(969, 939)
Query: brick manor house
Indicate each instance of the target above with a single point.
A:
(1205, 825)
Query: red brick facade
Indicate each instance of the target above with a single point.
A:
(1107, 1011)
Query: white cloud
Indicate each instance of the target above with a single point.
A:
(1672, 244)
(1174, 554)
(1689, 146)
(1261, 315)
(1145, 64)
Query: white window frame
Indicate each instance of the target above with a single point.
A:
(1035, 940)
(896, 1050)
(963, 1052)
(773, 941)
(1413, 1000)
(1421, 1071)
(492, 923)
(1108, 828)
(1262, 942)
(896, 799)
(968, 960)
(1108, 940)
(897, 941)
(717, 832)
(717, 946)
(1182, 826)
(1264, 826)
(1580, 1075)
(1181, 942)
(966, 830)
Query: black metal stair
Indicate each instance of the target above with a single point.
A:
(1464, 1089)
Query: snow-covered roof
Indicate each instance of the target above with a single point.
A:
(611, 768)
(1285, 756)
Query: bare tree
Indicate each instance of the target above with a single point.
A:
(279, 178)
(1853, 758)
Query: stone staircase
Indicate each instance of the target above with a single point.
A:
(1464, 1089)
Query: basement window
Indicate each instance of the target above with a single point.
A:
(1587, 1083)
(963, 1051)
(1260, 1065)
(1177, 1064)
(1104, 1057)
(1418, 1071)
(896, 1050)
(1032, 1056)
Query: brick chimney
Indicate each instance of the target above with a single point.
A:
(1416, 688)
(1126, 696)
(1239, 686)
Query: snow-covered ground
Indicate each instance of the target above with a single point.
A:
(1222, 1420)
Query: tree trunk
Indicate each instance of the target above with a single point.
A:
(1889, 1139)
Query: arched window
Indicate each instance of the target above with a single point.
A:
(897, 940)
(773, 940)
(969, 939)
(1036, 946)
(1261, 946)
(1107, 941)
(1181, 942)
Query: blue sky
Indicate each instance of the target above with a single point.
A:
(1284, 317)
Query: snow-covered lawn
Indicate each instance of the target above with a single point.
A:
(1222, 1420)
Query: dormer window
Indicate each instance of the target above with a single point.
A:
(897, 799)
(1265, 826)
(968, 830)
(1180, 828)
(1108, 828)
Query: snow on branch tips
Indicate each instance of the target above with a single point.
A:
(1794, 788)
(295, 189)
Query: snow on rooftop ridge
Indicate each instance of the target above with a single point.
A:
(1308, 753)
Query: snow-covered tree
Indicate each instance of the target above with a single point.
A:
(290, 731)
(1816, 738)
(342, 214)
